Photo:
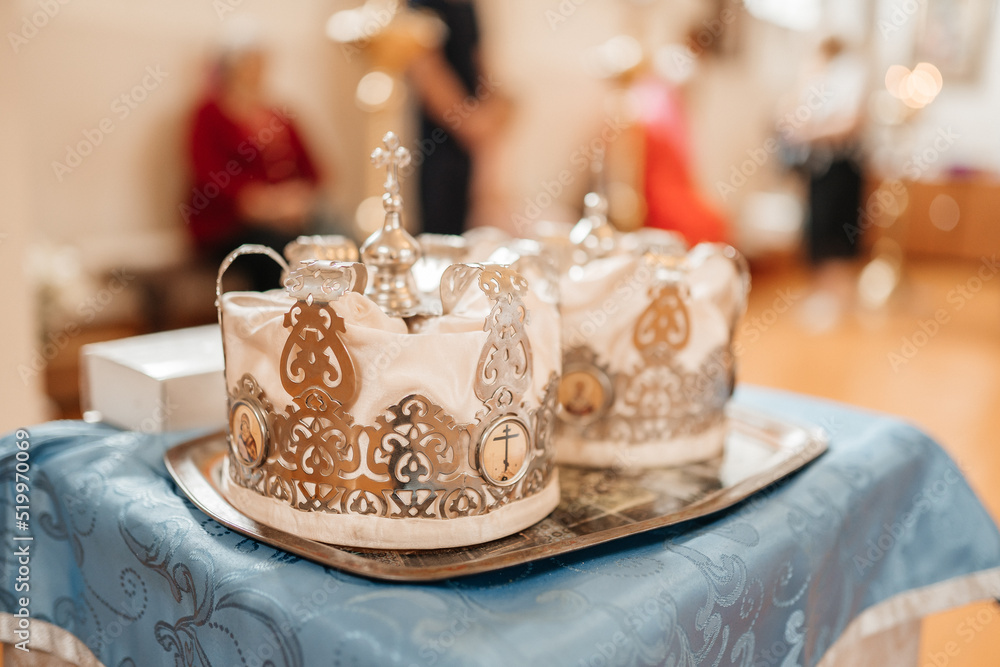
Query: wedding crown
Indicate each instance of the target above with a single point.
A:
(647, 333)
(365, 413)
(647, 338)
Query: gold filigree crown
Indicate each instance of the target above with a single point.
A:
(415, 460)
(295, 444)
(656, 398)
(660, 398)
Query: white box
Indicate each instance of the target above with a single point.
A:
(159, 382)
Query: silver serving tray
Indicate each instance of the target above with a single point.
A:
(597, 506)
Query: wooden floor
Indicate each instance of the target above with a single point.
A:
(931, 355)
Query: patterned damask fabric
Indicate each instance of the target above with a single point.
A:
(123, 561)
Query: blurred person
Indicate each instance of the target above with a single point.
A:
(655, 81)
(828, 143)
(254, 180)
(673, 198)
(461, 116)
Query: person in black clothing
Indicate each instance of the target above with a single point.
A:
(833, 92)
(458, 113)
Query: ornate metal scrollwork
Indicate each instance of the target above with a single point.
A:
(658, 398)
(413, 443)
(665, 323)
(506, 359)
(415, 461)
(314, 358)
(251, 423)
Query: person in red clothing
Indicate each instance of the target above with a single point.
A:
(673, 199)
(254, 181)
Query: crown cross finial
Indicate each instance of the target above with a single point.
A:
(594, 233)
(391, 252)
(596, 201)
(393, 155)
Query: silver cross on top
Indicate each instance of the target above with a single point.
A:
(391, 252)
(392, 156)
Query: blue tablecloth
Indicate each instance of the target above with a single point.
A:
(128, 565)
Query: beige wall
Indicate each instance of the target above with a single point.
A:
(120, 203)
(20, 395)
(969, 107)
(119, 206)
(62, 75)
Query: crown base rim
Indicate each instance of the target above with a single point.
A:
(374, 532)
(573, 449)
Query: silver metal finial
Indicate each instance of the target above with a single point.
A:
(593, 232)
(391, 252)
(393, 156)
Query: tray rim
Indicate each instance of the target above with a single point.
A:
(185, 462)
